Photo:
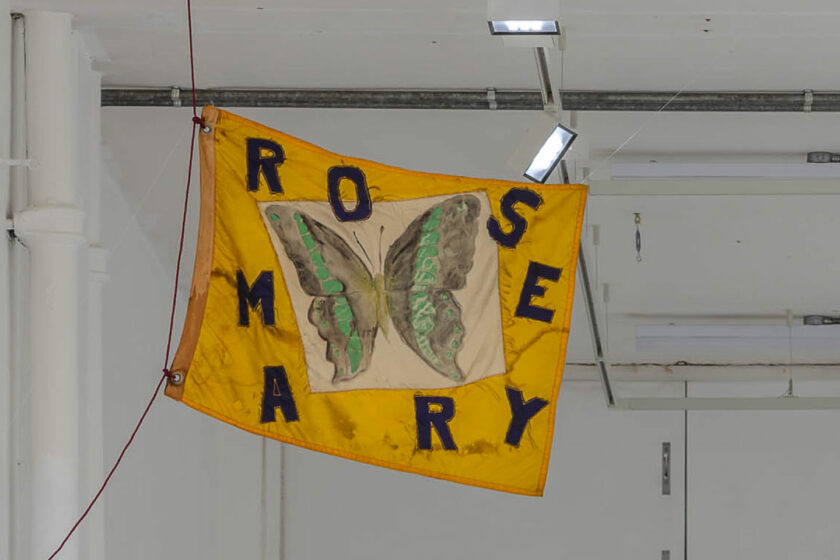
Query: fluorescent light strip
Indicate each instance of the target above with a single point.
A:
(524, 27)
(550, 154)
(735, 338)
(726, 170)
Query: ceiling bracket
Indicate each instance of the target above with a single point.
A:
(491, 99)
(808, 98)
(175, 96)
(545, 78)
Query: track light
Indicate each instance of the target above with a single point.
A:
(550, 154)
(524, 27)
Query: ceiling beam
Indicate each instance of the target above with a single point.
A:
(480, 99)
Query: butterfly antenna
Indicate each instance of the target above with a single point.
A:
(381, 231)
(356, 237)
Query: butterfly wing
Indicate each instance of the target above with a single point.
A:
(344, 308)
(422, 268)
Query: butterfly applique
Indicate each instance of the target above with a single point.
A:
(421, 269)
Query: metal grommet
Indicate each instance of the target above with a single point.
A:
(176, 378)
(206, 129)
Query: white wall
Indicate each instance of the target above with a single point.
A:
(603, 497)
(190, 487)
(763, 484)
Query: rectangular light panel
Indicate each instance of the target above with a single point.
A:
(524, 27)
(736, 338)
(550, 154)
(676, 170)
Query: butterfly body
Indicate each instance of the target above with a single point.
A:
(422, 268)
(381, 303)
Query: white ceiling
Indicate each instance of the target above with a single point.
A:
(611, 44)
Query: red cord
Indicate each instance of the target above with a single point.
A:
(192, 62)
(111, 472)
(180, 253)
(197, 121)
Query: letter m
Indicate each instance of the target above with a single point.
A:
(260, 293)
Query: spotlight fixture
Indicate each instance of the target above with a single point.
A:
(524, 27)
(550, 154)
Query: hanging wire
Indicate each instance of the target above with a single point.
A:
(166, 373)
(695, 77)
(153, 185)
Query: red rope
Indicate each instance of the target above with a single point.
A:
(111, 472)
(197, 121)
(180, 253)
(192, 63)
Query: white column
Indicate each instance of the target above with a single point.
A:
(52, 228)
(5, 315)
(93, 531)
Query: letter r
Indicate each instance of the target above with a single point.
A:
(437, 419)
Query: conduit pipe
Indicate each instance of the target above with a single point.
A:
(483, 99)
(5, 314)
(52, 228)
(20, 498)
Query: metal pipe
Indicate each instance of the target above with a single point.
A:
(52, 228)
(519, 100)
(700, 101)
(595, 331)
(5, 300)
(325, 98)
(19, 267)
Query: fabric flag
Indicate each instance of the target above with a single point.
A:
(410, 320)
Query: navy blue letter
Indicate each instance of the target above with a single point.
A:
(521, 412)
(267, 165)
(276, 392)
(532, 289)
(518, 223)
(261, 293)
(426, 420)
(363, 207)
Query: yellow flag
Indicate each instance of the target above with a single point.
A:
(410, 320)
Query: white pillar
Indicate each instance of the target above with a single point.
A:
(52, 228)
(5, 315)
(93, 531)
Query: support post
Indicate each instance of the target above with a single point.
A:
(595, 331)
(52, 228)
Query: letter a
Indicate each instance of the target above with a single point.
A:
(277, 393)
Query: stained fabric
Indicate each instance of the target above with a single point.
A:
(410, 320)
